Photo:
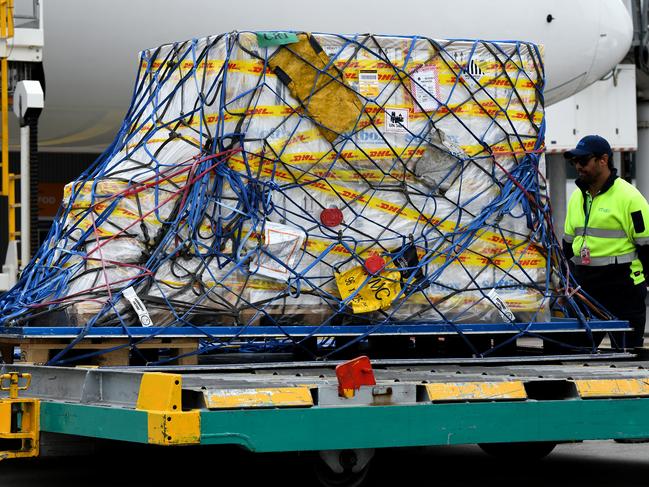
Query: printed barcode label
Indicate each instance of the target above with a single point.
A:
(368, 82)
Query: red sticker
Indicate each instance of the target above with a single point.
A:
(374, 264)
(331, 217)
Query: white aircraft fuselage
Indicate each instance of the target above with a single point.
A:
(91, 48)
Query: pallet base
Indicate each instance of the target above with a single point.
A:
(41, 350)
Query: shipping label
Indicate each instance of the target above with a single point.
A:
(424, 85)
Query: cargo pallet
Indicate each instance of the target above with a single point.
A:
(341, 410)
(112, 345)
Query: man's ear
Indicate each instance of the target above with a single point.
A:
(604, 159)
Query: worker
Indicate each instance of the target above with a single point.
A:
(607, 236)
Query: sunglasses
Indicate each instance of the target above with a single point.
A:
(581, 161)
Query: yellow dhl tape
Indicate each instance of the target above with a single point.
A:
(82, 219)
(108, 189)
(159, 140)
(527, 257)
(378, 152)
(493, 73)
(383, 151)
(375, 114)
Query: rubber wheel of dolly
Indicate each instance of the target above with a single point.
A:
(530, 451)
(328, 478)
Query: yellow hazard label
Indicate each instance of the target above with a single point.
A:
(372, 292)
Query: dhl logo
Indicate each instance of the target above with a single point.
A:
(519, 84)
(108, 191)
(304, 157)
(439, 63)
(375, 155)
(532, 302)
(361, 64)
(270, 110)
(501, 149)
(363, 175)
(300, 139)
(380, 153)
(498, 239)
(527, 146)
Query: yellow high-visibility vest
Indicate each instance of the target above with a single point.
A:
(610, 225)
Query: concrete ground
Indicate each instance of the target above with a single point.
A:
(590, 464)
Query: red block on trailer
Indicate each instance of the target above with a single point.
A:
(353, 374)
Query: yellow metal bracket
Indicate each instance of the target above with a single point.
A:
(602, 388)
(260, 398)
(161, 396)
(476, 391)
(19, 419)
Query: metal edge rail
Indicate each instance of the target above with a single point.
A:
(556, 326)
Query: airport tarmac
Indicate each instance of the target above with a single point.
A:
(589, 464)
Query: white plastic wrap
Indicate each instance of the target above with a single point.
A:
(436, 136)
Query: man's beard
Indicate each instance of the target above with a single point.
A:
(588, 178)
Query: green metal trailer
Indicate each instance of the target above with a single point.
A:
(304, 406)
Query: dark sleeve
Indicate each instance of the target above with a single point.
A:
(643, 255)
(639, 212)
(567, 249)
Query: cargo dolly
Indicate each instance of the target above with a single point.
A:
(342, 410)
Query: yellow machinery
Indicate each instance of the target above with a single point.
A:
(7, 32)
(19, 418)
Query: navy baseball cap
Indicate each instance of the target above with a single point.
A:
(591, 145)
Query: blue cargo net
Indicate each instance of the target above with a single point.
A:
(314, 182)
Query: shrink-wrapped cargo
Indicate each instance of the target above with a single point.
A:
(328, 179)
